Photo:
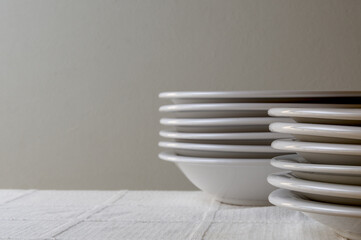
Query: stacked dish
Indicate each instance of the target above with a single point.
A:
(324, 178)
(221, 140)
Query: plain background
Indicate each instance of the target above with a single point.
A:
(80, 79)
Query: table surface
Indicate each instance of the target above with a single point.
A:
(138, 215)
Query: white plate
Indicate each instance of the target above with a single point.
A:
(294, 162)
(209, 110)
(345, 220)
(319, 191)
(254, 138)
(212, 125)
(318, 172)
(221, 151)
(323, 153)
(329, 178)
(228, 180)
(319, 132)
(262, 96)
(314, 115)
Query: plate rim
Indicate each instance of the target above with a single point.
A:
(320, 130)
(173, 157)
(289, 164)
(286, 180)
(318, 113)
(316, 147)
(206, 122)
(289, 199)
(191, 107)
(219, 147)
(257, 94)
(221, 136)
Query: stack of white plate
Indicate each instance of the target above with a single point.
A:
(221, 140)
(324, 178)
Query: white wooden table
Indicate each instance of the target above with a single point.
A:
(138, 215)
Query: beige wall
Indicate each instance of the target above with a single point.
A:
(79, 79)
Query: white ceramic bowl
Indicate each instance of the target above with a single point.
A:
(224, 110)
(232, 181)
(319, 191)
(324, 116)
(343, 219)
(216, 125)
(323, 153)
(221, 151)
(262, 96)
(319, 132)
(243, 138)
(300, 168)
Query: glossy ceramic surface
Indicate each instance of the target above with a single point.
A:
(262, 96)
(214, 125)
(320, 116)
(294, 162)
(221, 151)
(318, 172)
(320, 191)
(213, 110)
(319, 132)
(323, 153)
(344, 219)
(227, 180)
(251, 138)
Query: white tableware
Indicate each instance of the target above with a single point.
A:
(294, 162)
(221, 151)
(343, 219)
(319, 132)
(314, 115)
(319, 191)
(329, 178)
(212, 125)
(342, 174)
(262, 96)
(323, 153)
(247, 138)
(224, 110)
(232, 181)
